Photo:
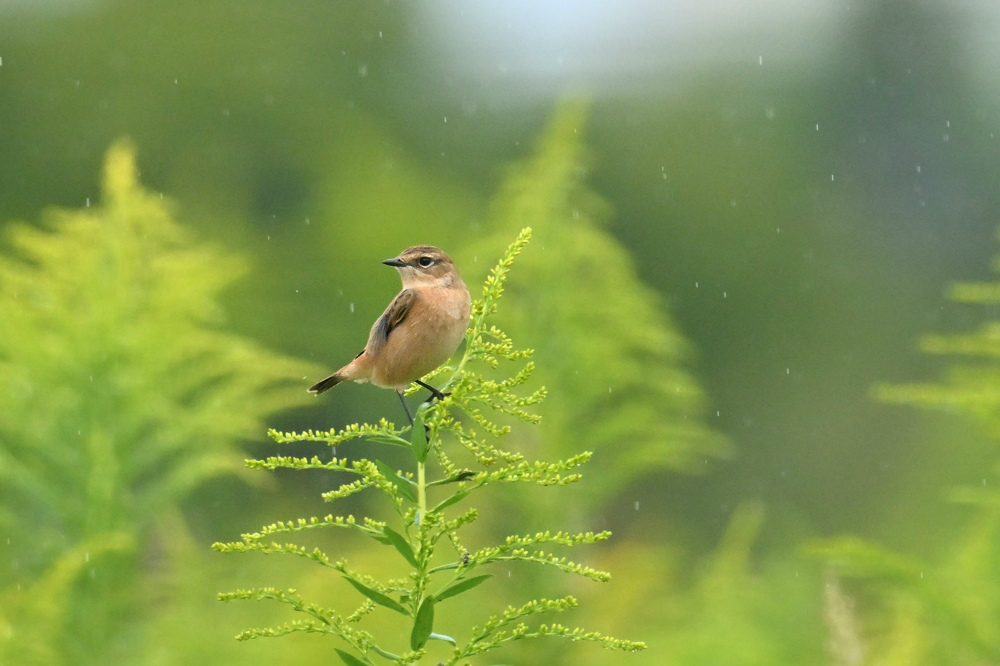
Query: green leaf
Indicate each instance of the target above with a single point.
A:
(461, 586)
(457, 497)
(464, 475)
(442, 637)
(422, 624)
(350, 659)
(386, 439)
(418, 438)
(376, 596)
(406, 487)
(400, 543)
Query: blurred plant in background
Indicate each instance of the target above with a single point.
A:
(119, 394)
(615, 361)
(914, 610)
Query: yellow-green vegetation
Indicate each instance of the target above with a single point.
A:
(452, 442)
(119, 395)
(915, 610)
(611, 354)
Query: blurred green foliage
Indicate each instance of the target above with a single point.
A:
(614, 361)
(119, 395)
(946, 610)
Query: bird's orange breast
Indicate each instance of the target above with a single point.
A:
(432, 331)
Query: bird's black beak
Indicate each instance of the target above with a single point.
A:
(395, 261)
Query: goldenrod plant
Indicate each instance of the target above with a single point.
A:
(619, 366)
(454, 453)
(120, 393)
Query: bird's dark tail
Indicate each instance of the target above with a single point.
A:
(326, 384)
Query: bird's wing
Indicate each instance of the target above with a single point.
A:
(393, 316)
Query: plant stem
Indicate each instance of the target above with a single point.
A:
(421, 491)
(423, 556)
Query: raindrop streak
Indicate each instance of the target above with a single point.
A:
(637, 505)
(352, 307)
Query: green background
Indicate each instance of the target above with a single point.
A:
(788, 189)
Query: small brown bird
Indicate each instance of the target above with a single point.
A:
(420, 329)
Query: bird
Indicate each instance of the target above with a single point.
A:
(422, 327)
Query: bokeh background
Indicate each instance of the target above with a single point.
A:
(747, 215)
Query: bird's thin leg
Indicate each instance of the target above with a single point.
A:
(435, 394)
(406, 408)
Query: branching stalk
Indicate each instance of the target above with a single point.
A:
(423, 527)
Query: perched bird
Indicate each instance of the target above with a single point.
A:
(420, 329)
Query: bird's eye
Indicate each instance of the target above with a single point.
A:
(425, 262)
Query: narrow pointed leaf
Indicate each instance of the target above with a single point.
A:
(376, 596)
(350, 659)
(383, 653)
(400, 543)
(464, 475)
(418, 438)
(461, 586)
(385, 439)
(405, 486)
(442, 637)
(457, 497)
(423, 623)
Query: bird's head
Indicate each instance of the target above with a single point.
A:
(424, 266)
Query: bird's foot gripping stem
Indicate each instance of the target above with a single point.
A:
(435, 394)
